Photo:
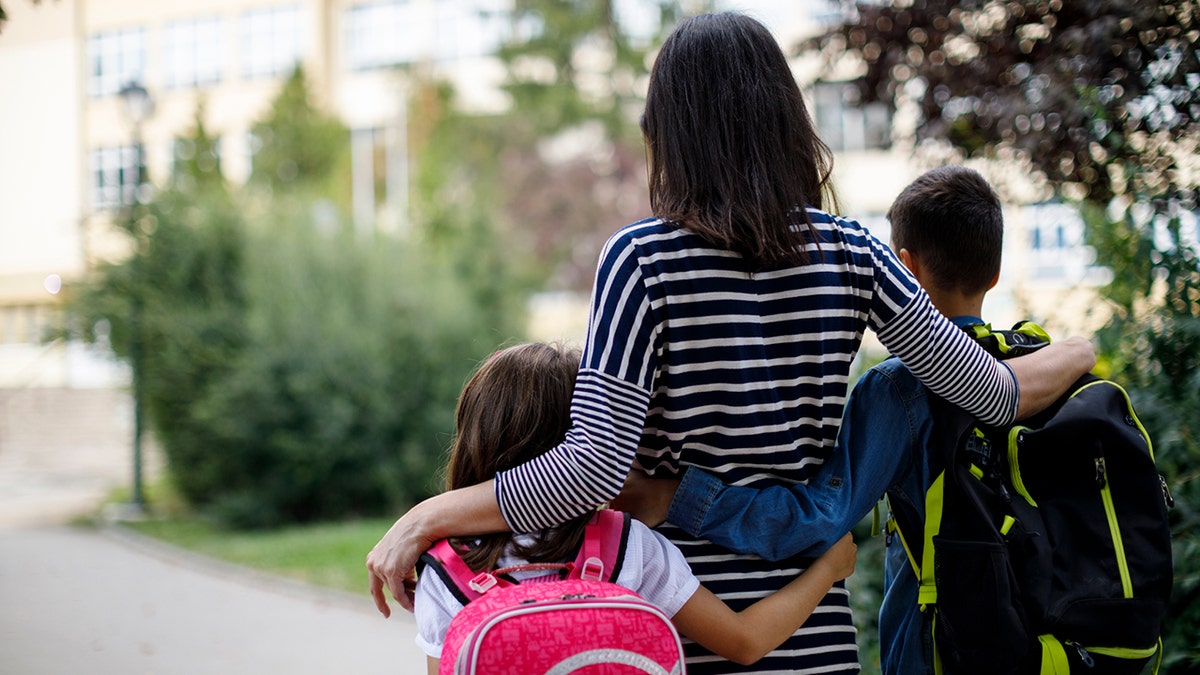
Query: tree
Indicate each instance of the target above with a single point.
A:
(572, 161)
(573, 60)
(298, 148)
(1100, 101)
(294, 370)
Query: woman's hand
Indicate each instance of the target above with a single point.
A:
(645, 498)
(838, 562)
(391, 563)
(1046, 374)
(458, 513)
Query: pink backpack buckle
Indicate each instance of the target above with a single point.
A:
(593, 569)
(483, 582)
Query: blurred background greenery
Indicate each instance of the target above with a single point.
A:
(298, 370)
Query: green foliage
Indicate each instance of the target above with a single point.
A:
(573, 61)
(1152, 344)
(299, 148)
(1099, 97)
(197, 166)
(565, 164)
(294, 370)
(355, 355)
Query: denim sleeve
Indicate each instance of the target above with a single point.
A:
(876, 442)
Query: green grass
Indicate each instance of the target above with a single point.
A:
(328, 554)
(332, 555)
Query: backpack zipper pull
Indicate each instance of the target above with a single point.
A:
(1082, 652)
(1167, 498)
(1101, 477)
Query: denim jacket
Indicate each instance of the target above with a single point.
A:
(880, 448)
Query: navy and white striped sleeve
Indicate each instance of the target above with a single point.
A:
(941, 355)
(608, 410)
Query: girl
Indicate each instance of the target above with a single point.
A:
(517, 406)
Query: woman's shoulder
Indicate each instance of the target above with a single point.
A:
(643, 231)
(844, 227)
(647, 239)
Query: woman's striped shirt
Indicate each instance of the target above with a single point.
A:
(692, 360)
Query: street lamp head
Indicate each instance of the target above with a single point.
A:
(138, 104)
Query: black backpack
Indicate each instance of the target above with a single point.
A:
(1045, 547)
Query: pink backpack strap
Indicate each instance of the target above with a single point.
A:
(603, 551)
(458, 577)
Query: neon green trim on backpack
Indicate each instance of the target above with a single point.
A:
(893, 526)
(981, 331)
(1009, 521)
(1014, 465)
(1128, 407)
(1054, 657)
(927, 594)
(1124, 652)
(1032, 330)
(1110, 512)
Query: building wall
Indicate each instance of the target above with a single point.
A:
(40, 180)
(60, 124)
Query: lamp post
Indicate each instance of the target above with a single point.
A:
(138, 108)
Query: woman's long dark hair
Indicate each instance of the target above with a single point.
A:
(733, 153)
(515, 407)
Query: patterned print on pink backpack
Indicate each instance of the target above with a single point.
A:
(584, 624)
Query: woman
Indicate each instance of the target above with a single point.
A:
(722, 332)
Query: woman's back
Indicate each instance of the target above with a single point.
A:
(747, 372)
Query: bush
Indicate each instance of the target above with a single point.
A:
(345, 393)
(293, 374)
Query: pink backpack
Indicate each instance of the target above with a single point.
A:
(583, 624)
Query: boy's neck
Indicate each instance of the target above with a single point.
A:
(954, 303)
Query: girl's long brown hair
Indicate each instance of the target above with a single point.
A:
(516, 406)
(733, 153)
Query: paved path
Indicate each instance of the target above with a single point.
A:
(75, 600)
(109, 602)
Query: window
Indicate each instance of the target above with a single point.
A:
(843, 125)
(193, 52)
(23, 324)
(470, 29)
(1056, 247)
(273, 41)
(387, 33)
(116, 58)
(115, 175)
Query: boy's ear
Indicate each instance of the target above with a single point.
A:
(995, 280)
(910, 261)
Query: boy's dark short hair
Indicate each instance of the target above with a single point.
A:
(951, 219)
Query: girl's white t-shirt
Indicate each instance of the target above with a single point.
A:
(663, 578)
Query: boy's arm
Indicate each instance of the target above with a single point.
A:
(745, 637)
(431, 665)
(880, 435)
